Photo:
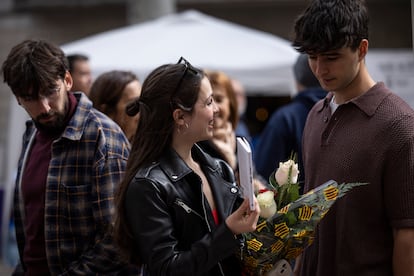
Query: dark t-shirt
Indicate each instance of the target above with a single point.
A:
(369, 139)
(34, 181)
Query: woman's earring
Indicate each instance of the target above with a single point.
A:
(186, 125)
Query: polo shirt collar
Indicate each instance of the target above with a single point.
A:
(367, 102)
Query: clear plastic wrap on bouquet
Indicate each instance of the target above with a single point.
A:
(291, 229)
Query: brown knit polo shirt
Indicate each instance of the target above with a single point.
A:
(369, 139)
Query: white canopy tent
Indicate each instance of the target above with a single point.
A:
(261, 61)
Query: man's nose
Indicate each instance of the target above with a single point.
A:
(320, 67)
(44, 105)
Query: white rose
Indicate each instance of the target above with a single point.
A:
(267, 204)
(282, 173)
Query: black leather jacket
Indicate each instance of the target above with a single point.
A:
(172, 222)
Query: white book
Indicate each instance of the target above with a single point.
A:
(244, 157)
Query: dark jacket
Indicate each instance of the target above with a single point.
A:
(172, 222)
(282, 135)
(87, 162)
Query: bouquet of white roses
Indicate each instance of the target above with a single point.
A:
(287, 221)
(284, 189)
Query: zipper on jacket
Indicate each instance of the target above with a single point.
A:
(186, 208)
(208, 226)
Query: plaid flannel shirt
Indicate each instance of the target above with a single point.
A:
(88, 161)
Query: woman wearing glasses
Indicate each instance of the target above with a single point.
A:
(111, 92)
(179, 210)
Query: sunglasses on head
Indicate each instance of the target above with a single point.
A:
(187, 68)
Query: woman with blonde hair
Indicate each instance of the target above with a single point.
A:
(223, 143)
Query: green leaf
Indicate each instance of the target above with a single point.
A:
(291, 218)
(293, 192)
(345, 187)
(272, 180)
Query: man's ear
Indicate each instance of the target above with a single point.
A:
(363, 49)
(68, 81)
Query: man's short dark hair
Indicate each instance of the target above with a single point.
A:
(328, 25)
(72, 58)
(33, 66)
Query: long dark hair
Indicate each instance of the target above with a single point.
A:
(166, 88)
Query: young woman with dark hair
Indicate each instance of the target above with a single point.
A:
(179, 210)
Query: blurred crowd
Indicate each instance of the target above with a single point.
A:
(123, 176)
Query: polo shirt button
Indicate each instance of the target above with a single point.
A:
(233, 190)
(174, 177)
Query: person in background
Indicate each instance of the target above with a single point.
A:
(361, 132)
(223, 143)
(282, 135)
(179, 210)
(80, 69)
(241, 128)
(111, 92)
(72, 159)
